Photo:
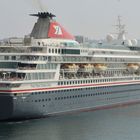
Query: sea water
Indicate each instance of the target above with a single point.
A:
(122, 123)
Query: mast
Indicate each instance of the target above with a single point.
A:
(120, 29)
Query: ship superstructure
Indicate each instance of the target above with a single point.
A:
(48, 72)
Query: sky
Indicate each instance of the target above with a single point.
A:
(91, 18)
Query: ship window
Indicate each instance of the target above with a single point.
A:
(59, 51)
(39, 43)
(49, 50)
(13, 57)
(55, 50)
(52, 50)
(70, 51)
(6, 57)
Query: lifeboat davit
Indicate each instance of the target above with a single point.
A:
(132, 67)
(100, 68)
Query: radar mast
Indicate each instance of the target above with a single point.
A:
(120, 29)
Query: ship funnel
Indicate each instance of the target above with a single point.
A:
(41, 27)
(47, 27)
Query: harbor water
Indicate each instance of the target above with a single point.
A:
(122, 123)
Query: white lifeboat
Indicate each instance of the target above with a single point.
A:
(100, 67)
(88, 68)
(132, 67)
(70, 68)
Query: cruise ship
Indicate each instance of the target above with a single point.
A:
(48, 72)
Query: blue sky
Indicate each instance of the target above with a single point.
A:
(92, 18)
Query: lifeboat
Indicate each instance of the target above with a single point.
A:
(100, 68)
(88, 68)
(132, 67)
(70, 68)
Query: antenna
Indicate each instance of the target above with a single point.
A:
(119, 26)
(121, 29)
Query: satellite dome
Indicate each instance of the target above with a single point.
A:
(134, 42)
(128, 42)
(109, 38)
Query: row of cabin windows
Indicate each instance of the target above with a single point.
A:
(84, 95)
(105, 99)
(85, 59)
(56, 51)
(71, 97)
(84, 51)
(43, 100)
(63, 51)
(67, 90)
(78, 96)
(63, 98)
(46, 66)
(116, 53)
(81, 89)
(92, 81)
(39, 76)
(94, 59)
(10, 57)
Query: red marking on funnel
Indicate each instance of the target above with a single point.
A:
(57, 31)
